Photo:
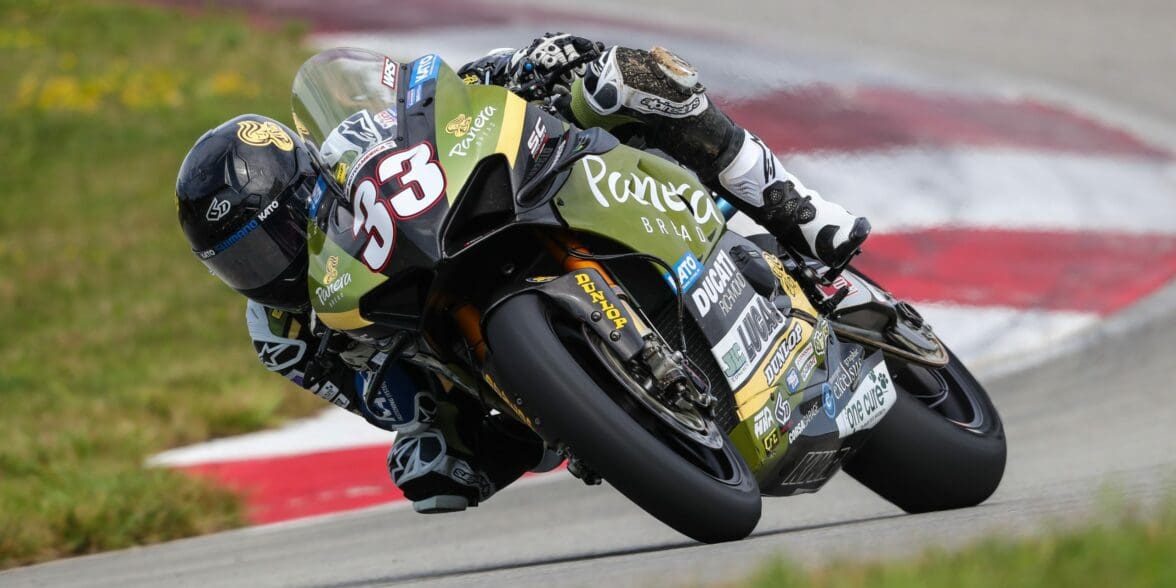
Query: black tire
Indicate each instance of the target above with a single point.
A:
(941, 446)
(569, 404)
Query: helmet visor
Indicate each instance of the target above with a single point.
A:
(259, 252)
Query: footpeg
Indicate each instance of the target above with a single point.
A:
(441, 504)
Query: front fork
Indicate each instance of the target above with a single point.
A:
(588, 293)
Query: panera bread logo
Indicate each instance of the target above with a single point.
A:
(260, 134)
(332, 270)
(459, 126)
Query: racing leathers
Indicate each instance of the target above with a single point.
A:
(655, 98)
(448, 455)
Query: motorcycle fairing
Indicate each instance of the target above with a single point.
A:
(462, 126)
(799, 392)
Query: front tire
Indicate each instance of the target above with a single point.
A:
(941, 446)
(569, 405)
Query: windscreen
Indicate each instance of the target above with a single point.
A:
(344, 103)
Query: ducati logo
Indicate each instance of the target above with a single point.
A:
(218, 209)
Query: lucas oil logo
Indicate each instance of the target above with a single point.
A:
(611, 312)
(758, 326)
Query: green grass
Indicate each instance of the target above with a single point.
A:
(116, 342)
(1125, 550)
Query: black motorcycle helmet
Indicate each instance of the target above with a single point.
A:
(242, 193)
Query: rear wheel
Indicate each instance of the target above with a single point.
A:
(941, 446)
(670, 465)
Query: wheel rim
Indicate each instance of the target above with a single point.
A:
(716, 462)
(944, 392)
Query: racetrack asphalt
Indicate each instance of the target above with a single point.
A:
(1100, 415)
(1088, 422)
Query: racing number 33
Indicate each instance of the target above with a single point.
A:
(422, 185)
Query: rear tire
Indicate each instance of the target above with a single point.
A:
(570, 406)
(941, 446)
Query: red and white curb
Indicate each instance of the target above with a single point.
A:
(1013, 223)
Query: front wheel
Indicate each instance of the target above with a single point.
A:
(941, 446)
(706, 493)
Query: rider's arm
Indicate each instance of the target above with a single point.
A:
(284, 344)
(545, 55)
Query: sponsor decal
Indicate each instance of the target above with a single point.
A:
(772, 441)
(332, 270)
(359, 129)
(780, 357)
(327, 294)
(240, 234)
(792, 379)
(279, 355)
(269, 209)
(412, 97)
(470, 79)
(804, 421)
(821, 337)
(424, 69)
(763, 422)
(759, 326)
(721, 285)
(829, 401)
(783, 412)
(815, 467)
(848, 372)
(342, 401)
(538, 138)
(341, 172)
(541, 279)
(316, 197)
(390, 70)
(734, 360)
(756, 327)
(263, 133)
(806, 354)
(802, 370)
(515, 409)
(386, 118)
(611, 312)
(609, 187)
(838, 283)
(459, 126)
(869, 402)
(688, 269)
(658, 104)
(299, 127)
(471, 130)
(217, 209)
(327, 391)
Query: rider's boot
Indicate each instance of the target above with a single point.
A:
(658, 92)
(447, 457)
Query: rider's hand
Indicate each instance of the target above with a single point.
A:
(551, 55)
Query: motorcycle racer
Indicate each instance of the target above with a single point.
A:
(242, 194)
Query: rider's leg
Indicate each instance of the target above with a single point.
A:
(446, 457)
(659, 93)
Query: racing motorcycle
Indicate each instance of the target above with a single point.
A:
(593, 292)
